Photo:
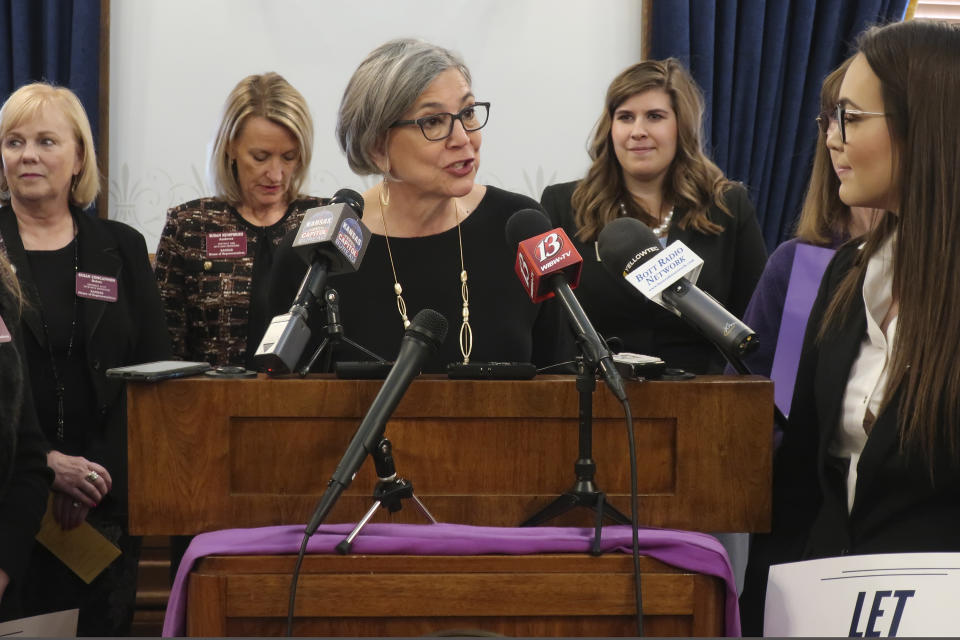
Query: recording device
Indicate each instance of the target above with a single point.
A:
(362, 369)
(629, 249)
(160, 370)
(426, 333)
(637, 366)
(331, 239)
(546, 263)
(491, 370)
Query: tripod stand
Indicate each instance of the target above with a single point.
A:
(584, 492)
(391, 489)
(335, 333)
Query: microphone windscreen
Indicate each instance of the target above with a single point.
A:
(350, 198)
(430, 326)
(626, 243)
(524, 224)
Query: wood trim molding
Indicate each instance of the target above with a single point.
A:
(103, 109)
(647, 28)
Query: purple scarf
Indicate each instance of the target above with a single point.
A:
(686, 550)
(809, 263)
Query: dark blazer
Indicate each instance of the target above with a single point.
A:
(733, 262)
(128, 331)
(898, 507)
(23, 498)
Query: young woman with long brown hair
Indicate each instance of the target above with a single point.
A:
(825, 223)
(648, 163)
(870, 461)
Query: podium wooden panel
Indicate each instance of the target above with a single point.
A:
(528, 596)
(208, 454)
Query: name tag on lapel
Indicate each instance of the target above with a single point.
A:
(4, 332)
(96, 287)
(226, 244)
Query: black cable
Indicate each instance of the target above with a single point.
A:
(293, 584)
(558, 365)
(634, 509)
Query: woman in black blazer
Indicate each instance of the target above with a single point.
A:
(870, 461)
(648, 163)
(90, 303)
(24, 476)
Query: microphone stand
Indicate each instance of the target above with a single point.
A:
(584, 492)
(335, 334)
(388, 493)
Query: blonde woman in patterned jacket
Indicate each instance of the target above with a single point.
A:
(215, 253)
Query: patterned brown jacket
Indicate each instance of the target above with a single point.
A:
(213, 268)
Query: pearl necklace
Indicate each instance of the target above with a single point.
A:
(466, 332)
(661, 229)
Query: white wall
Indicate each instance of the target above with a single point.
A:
(544, 64)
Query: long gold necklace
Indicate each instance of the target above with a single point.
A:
(466, 333)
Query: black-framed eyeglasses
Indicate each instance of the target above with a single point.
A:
(439, 126)
(842, 116)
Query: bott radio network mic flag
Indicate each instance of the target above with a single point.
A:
(630, 250)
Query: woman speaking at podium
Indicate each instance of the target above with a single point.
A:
(409, 116)
(870, 460)
(648, 163)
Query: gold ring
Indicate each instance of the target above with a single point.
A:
(93, 476)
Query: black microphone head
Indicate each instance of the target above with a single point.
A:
(624, 244)
(430, 326)
(525, 224)
(350, 198)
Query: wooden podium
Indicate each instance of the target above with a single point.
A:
(409, 596)
(208, 454)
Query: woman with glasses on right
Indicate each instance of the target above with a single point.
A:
(409, 117)
(781, 303)
(870, 461)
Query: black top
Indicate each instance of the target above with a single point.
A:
(24, 476)
(506, 325)
(128, 331)
(733, 261)
(898, 508)
(53, 276)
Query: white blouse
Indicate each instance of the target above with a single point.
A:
(868, 376)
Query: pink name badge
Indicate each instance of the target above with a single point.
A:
(90, 285)
(4, 332)
(226, 244)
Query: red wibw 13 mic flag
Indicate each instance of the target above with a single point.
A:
(544, 255)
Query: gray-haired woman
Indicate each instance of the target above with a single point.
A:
(409, 115)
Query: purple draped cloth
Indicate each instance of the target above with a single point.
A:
(690, 551)
(809, 264)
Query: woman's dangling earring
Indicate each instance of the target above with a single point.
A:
(384, 194)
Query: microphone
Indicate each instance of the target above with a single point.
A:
(629, 249)
(331, 240)
(547, 262)
(426, 333)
